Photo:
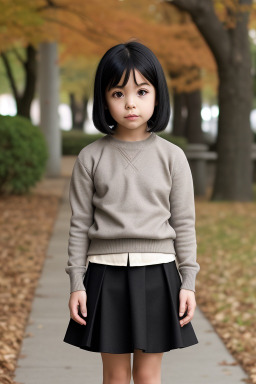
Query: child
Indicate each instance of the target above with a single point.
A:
(133, 217)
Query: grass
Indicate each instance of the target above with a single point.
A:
(226, 282)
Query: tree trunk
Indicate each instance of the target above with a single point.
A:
(30, 66)
(23, 100)
(78, 111)
(234, 144)
(193, 127)
(178, 121)
(187, 107)
(187, 120)
(49, 102)
(230, 47)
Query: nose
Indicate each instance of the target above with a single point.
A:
(130, 103)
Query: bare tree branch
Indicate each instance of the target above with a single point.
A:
(248, 2)
(10, 74)
(49, 4)
(19, 57)
(191, 6)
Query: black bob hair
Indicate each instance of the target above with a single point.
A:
(126, 57)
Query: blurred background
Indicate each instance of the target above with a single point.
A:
(49, 52)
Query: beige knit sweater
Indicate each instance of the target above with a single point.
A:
(132, 196)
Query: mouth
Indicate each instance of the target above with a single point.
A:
(131, 117)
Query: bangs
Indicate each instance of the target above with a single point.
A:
(117, 71)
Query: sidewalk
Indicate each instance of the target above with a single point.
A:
(46, 359)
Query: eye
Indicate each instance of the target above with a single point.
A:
(115, 93)
(118, 93)
(143, 90)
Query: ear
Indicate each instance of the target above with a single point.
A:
(156, 103)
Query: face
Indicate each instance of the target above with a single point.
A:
(133, 99)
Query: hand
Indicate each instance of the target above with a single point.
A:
(78, 301)
(187, 301)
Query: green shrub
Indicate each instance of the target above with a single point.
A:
(73, 141)
(23, 154)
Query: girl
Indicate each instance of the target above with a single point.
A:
(133, 218)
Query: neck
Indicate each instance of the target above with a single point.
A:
(131, 135)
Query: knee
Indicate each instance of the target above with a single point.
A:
(117, 376)
(146, 376)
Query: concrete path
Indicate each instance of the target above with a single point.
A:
(46, 359)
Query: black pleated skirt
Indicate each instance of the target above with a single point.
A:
(131, 308)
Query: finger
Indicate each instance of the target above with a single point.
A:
(189, 316)
(185, 321)
(82, 306)
(182, 307)
(78, 319)
(77, 316)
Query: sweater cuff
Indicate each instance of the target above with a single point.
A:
(188, 280)
(76, 286)
(76, 282)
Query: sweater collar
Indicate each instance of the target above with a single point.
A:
(132, 144)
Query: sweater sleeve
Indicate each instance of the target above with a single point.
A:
(182, 205)
(80, 198)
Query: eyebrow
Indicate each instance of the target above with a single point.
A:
(139, 85)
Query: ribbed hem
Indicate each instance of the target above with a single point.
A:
(188, 279)
(103, 246)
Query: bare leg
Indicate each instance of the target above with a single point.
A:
(116, 368)
(147, 367)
